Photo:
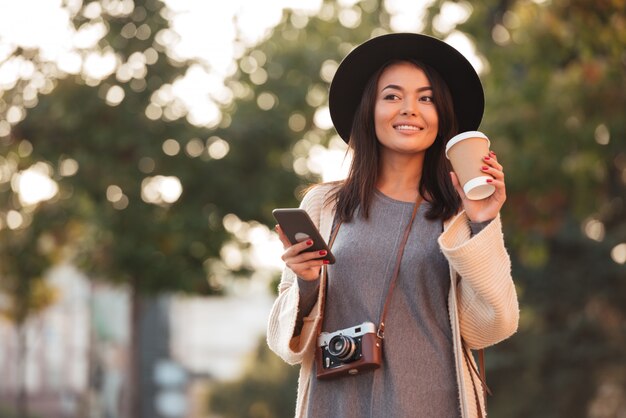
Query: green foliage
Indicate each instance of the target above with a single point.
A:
(25, 254)
(264, 143)
(144, 242)
(155, 247)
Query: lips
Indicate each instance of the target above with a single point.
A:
(407, 127)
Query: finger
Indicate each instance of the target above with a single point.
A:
(493, 172)
(493, 162)
(305, 256)
(310, 265)
(307, 271)
(295, 249)
(500, 186)
(288, 245)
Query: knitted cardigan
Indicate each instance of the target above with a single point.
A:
(482, 302)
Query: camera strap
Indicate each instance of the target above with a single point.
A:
(324, 278)
(392, 284)
(381, 326)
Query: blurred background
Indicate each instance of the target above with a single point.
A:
(143, 145)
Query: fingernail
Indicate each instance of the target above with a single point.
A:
(309, 242)
(326, 262)
(323, 252)
(492, 153)
(485, 167)
(487, 158)
(489, 180)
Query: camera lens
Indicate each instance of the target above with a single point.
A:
(342, 347)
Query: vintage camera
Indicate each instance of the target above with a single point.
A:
(348, 351)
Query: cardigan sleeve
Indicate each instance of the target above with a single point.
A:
(487, 300)
(284, 313)
(309, 292)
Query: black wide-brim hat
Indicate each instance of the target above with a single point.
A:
(362, 62)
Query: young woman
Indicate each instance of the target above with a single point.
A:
(412, 251)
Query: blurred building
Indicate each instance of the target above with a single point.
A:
(212, 335)
(77, 350)
(56, 351)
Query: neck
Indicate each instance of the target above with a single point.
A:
(399, 177)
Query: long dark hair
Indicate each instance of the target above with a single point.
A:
(435, 185)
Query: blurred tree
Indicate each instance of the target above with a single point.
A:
(281, 90)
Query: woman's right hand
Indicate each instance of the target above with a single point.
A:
(306, 265)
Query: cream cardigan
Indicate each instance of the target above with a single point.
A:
(482, 304)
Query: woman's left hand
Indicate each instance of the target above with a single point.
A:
(488, 208)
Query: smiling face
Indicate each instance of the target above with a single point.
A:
(405, 115)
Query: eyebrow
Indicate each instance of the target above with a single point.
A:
(396, 87)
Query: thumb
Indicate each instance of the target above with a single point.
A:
(282, 237)
(457, 185)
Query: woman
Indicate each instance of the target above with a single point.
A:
(397, 99)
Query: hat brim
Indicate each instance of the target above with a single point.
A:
(359, 65)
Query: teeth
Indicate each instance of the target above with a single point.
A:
(409, 127)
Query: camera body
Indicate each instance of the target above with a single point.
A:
(348, 351)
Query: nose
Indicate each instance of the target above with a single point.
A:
(409, 108)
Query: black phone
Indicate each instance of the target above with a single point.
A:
(298, 226)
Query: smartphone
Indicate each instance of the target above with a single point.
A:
(298, 226)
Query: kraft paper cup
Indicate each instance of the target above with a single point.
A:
(465, 152)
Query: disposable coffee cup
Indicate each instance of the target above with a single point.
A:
(465, 152)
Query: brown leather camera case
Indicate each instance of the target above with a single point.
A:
(371, 350)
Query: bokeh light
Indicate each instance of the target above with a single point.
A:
(34, 184)
(161, 190)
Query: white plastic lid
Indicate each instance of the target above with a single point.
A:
(478, 188)
(464, 135)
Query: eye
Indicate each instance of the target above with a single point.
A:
(427, 99)
(391, 96)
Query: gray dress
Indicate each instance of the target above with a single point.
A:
(417, 378)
